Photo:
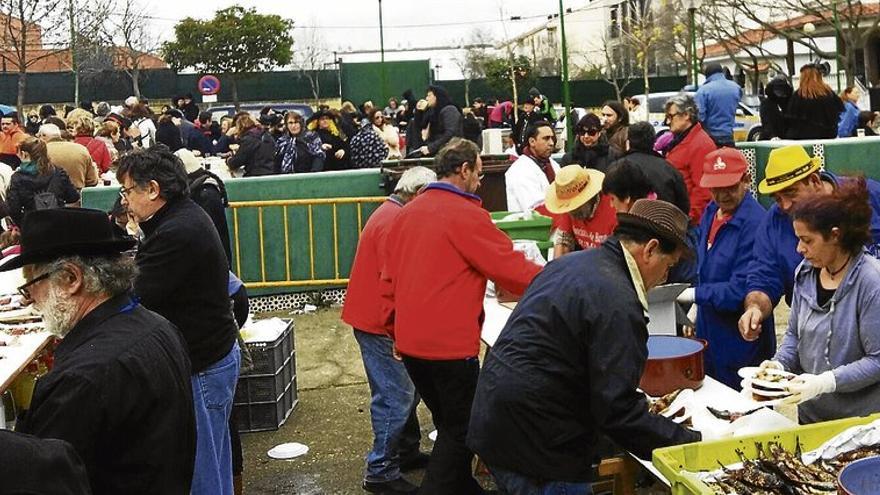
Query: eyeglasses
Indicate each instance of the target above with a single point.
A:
(125, 191)
(670, 116)
(589, 132)
(379, 118)
(26, 292)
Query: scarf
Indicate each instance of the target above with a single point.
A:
(543, 164)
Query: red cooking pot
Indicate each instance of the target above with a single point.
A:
(673, 363)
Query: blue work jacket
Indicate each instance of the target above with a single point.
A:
(717, 101)
(721, 289)
(772, 268)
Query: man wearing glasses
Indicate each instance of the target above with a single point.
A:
(591, 146)
(183, 275)
(119, 392)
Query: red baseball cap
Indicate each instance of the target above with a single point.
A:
(723, 167)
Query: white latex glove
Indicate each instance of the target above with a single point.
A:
(687, 296)
(806, 386)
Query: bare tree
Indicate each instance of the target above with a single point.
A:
(471, 59)
(641, 36)
(786, 18)
(134, 40)
(25, 42)
(310, 57)
(743, 44)
(613, 71)
(88, 44)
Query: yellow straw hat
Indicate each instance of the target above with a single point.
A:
(786, 166)
(573, 187)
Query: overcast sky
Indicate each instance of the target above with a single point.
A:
(347, 25)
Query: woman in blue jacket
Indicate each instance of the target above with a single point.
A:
(724, 250)
(849, 118)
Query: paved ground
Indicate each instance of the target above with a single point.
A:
(332, 417)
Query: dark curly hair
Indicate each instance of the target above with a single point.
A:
(159, 164)
(847, 208)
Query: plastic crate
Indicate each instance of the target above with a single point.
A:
(266, 416)
(536, 229)
(265, 388)
(269, 357)
(677, 463)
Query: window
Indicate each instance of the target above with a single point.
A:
(613, 28)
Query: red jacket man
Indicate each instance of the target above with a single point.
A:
(689, 149)
(445, 247)
(393, 403)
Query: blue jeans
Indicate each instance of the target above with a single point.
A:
(510, 483)
(392, 408)
(213, 391)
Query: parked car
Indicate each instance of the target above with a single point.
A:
(254, 109)
(746, 128)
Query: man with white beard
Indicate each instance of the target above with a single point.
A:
(120, 390)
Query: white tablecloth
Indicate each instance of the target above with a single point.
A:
(218, 166)
(17, 357)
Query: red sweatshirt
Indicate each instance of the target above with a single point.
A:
(363, 300)
(688, 156)
(442, 248)
(98, 151)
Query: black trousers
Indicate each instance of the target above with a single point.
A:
(447, 388)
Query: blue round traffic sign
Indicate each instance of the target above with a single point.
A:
(209, 85)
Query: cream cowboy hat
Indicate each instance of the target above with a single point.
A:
(573, 187)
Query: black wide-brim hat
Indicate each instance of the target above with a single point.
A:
(47, 235)
(322, 113)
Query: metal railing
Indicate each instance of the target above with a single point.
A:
(285, 205)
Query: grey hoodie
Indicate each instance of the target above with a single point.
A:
(843, 336)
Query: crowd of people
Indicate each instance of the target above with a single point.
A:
(630, 210)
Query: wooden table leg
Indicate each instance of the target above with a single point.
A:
(623, 470)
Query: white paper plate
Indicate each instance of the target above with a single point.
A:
(288, 450)
(750, 372)
(747, 393)
(25, 313)
(771, 393)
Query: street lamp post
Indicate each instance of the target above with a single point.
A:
(837, 44)
(809, 28)
(382, 54)
(566, 94)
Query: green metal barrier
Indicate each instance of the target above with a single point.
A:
(845, 156)
(290, 233)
